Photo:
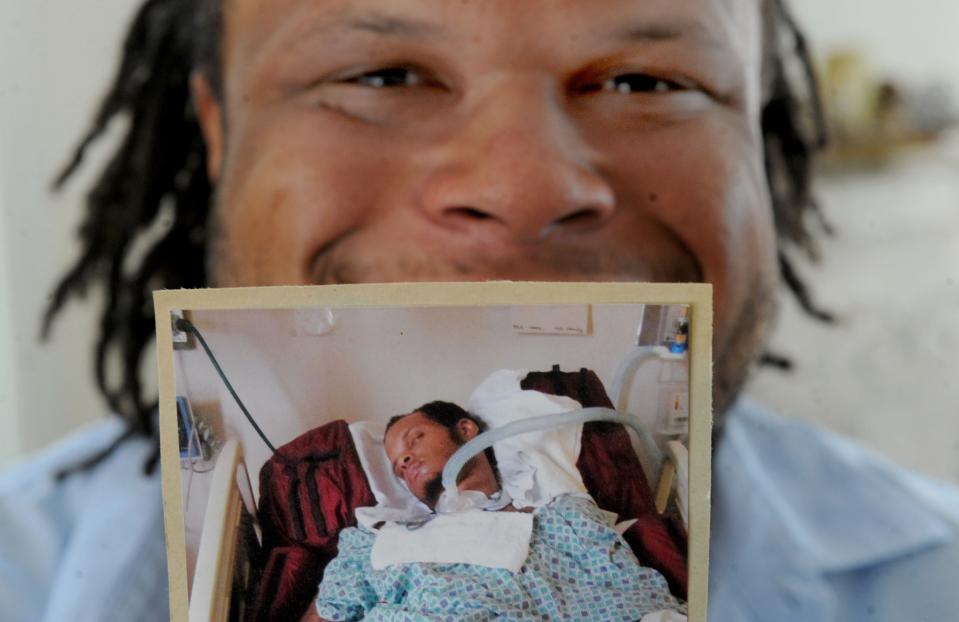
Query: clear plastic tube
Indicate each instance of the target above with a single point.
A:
(628, 367)
(534, 424)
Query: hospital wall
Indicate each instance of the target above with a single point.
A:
(377, 363)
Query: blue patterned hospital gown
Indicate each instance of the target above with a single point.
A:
(578, 569)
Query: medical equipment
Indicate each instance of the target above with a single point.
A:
(187, 327)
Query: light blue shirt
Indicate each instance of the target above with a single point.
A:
(806, 527)
(89, 548)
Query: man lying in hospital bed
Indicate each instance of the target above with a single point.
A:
(525, 542)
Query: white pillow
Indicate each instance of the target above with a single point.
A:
(537, 466)
(534, 467)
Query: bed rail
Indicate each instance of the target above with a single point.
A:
(210, 596)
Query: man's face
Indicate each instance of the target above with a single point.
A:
(418, 449)
(400, 140)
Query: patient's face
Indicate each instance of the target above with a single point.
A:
(400, 140)
(418, 449)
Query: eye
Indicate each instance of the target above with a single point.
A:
(640, 83)
(389, 77)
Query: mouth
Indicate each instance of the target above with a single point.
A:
(336, 268)
(414, 474)
(372, 256)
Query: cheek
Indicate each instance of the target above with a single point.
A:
(705, 184)
(289, 187)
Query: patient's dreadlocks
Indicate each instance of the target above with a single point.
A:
(147, 216)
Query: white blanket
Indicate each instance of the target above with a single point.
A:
(537, 466)
(491, 539)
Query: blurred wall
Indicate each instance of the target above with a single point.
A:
(886, 373)
(9, 374)
(910, 41)
(55, 59)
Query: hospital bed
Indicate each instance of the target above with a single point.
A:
(225, 572)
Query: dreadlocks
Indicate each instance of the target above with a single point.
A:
(146, 220)
(145, 224)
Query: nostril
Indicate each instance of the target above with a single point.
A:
(581, 218)
(468, 213)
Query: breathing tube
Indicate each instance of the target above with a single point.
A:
(629, 366)
(534, 424)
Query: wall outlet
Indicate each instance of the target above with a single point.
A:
(182, 340)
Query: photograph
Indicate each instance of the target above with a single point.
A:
(347, 458)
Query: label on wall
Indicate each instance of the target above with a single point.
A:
(558, 320)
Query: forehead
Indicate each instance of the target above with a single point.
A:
(512, 27)
(397, 430)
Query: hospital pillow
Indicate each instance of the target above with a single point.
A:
(537, 466)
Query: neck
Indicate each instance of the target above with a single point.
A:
(479, 476)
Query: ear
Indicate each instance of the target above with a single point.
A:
(467, 429)
(209, 113)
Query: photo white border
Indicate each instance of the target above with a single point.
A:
(697, 295)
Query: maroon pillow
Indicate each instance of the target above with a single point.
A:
(289, 582)
(309, 489)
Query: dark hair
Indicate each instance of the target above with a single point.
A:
(147, 216)
(448, 414)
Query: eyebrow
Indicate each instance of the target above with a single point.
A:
(389, 25)
(653, 31)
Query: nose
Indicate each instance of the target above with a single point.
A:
(518, 170)
(404, 462)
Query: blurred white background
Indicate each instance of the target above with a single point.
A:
(887, 375)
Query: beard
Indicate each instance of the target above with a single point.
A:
(737, 350)
(432, 491)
